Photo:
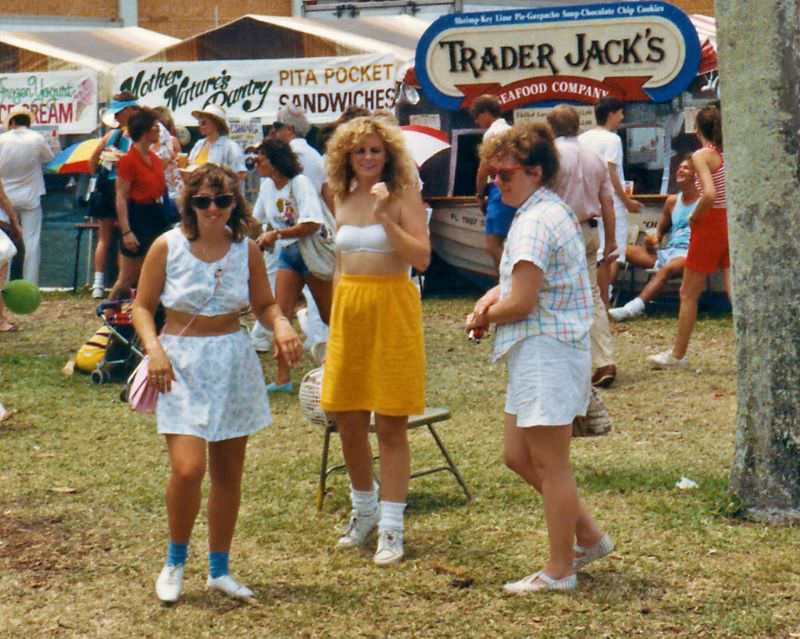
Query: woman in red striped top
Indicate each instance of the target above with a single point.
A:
(708, 246)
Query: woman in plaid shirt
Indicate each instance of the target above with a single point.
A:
(543, 310)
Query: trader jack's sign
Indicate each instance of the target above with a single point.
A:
(637, 51)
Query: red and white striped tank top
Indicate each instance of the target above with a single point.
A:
(719, 180)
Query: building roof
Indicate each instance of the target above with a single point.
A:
(260, 36)
(98, 49)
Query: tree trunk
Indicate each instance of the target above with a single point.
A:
(760, 94)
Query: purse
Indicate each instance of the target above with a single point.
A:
(595, 423)
(142, 395)
(7, 249)
(318, 249)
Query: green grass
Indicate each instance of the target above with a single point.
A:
(82, 521)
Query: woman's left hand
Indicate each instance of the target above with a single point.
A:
(287, 344)
(476, 320)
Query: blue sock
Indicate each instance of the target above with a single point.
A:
(176, 553)
(218, 564)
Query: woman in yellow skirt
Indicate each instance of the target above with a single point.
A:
(375, 359)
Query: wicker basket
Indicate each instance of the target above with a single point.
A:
(310, 391)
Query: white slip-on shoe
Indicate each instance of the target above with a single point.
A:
(169, 583)
(98, 292)
(390, 547)
(229, 586)
(358, 529)
(539, 581)
(585, 555)
(665, 359)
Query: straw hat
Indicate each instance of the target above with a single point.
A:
(216, 113)
(17, 110)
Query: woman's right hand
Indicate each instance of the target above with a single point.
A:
(130, 241)
(287, 344)
(267, 240)
(159, 370)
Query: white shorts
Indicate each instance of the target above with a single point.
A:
(549, 382)
(668, 254)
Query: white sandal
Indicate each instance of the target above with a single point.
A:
(585, 555)
(531, 583)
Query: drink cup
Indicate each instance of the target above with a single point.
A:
(628, 188)
(182, 160)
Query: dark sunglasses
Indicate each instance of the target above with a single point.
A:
(505, 175)
(221, 201)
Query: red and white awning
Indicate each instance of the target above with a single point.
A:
(706, 28)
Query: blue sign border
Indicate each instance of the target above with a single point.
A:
(544, 16)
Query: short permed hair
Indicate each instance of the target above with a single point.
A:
(221, 180)
(529, 144)
(399, 172)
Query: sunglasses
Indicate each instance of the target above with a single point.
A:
(221, 201)
(505, 175)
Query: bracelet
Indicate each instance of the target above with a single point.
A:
(126, 232)
(283, 317)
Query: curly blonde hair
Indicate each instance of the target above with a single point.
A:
(398, 172)
(529, 144)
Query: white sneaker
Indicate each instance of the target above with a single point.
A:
(98, 292)
(229, 586)
(540, 581)
(623, 313)
(358, 529)
(665, 359)
(170, 583)
(390, 547)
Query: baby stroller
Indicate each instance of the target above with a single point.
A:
(124, 351)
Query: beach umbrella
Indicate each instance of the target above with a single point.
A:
(21, 296)
(423, 142)
(75, 158)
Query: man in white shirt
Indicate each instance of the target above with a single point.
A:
(603, 140)
(293, 130)
(487, 115)
(22, 153)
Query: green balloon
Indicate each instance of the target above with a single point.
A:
(21, 297)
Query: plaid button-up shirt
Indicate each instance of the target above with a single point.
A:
(546, 233)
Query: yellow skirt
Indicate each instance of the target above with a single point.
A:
(375, 360)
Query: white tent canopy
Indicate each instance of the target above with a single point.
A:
(97, 49)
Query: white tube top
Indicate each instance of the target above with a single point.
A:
(368, 239)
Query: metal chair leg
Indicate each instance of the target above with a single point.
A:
(323, 471)
(453, 467)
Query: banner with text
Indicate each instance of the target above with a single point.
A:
(66, 100)
(246, 89)
(636, 51)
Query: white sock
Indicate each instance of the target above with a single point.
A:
(636, 306)
(99, 278)
(365, 502)
(391, 516)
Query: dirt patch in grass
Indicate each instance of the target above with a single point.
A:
(37, 546)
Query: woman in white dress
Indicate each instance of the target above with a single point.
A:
(212, 393)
